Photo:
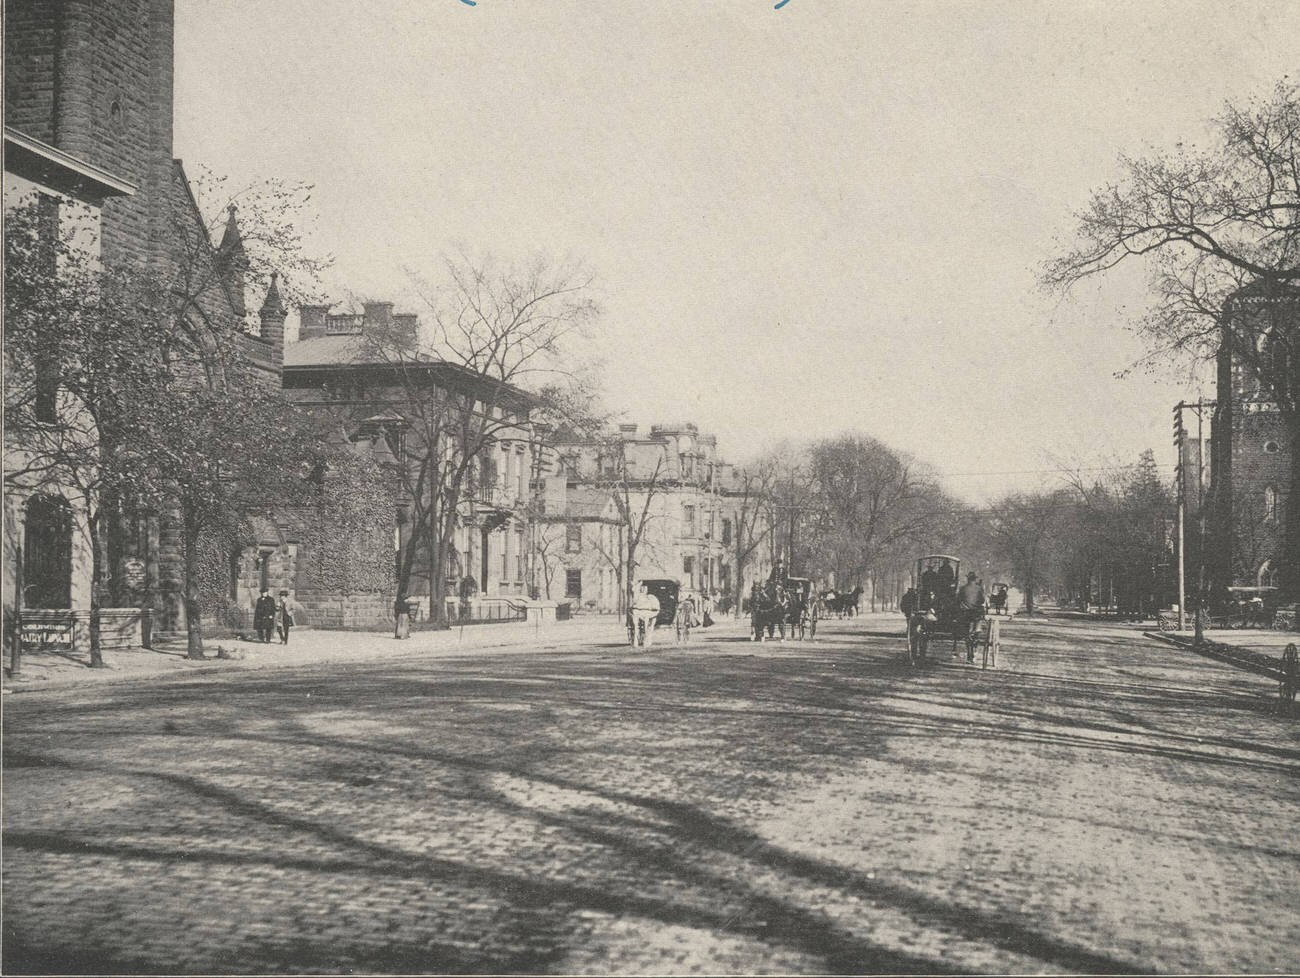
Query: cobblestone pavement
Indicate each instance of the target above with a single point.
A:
(1098, 803)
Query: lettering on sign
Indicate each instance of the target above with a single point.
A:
(133, 573)
(48, 634)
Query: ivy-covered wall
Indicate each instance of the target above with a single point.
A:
(345, 544)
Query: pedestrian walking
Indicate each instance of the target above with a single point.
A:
(264, 616)
(284, 617)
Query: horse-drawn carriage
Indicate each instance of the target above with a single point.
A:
(775, 604)
(1240, 607)
(998, 599)
(843, 604)
(937, 612)
(640, 626)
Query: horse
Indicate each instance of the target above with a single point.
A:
(769, 608)
(844, 604)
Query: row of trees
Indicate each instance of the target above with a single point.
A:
(856, 509)
(121, 391)
(125, 389)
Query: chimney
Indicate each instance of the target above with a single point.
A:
(378, 314)
(407, 324)
(312, 322)
(272, 315)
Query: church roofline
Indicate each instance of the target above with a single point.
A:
(104, 183)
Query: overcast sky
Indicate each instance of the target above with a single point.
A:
(803, 221)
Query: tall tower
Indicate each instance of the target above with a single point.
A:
(95, 79)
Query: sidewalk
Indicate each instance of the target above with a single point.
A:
(1257, 649)
(309, 647)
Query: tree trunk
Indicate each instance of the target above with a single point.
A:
(438, 580)
(97, 561)
(193, 609)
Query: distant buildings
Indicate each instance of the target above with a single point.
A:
(674, 483)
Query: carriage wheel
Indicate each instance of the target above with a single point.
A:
(812, 625)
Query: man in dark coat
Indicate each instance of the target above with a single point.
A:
(264, 616)
(971, 607)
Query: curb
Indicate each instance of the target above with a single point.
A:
(1220, 653)
(228, 667)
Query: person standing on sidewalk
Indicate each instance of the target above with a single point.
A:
(264, 616)
(284, 617)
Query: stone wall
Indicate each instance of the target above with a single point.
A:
(359, 611)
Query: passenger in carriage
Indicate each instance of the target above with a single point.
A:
(946, 577)
(929, 585)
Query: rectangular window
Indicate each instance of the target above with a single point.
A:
(573, 584)
(688, 519)
(726, 532)
(688, 565)
(573, 538)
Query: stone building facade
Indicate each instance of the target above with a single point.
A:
(93, 81)
(687, 493)
(47, 552)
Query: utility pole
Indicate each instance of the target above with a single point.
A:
(1199, 634)
(1180, 482)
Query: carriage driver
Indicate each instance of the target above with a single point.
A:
(970, 605)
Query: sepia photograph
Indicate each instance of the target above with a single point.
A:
(732, 487)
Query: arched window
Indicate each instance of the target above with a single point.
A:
(1270, 504)
(47, 553)
(1264, 577)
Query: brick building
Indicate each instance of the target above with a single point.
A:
(338, 371)
(92, 82)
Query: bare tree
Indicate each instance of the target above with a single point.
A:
(1219, 232)
(750, 500)
(1022, 526)
(462, 386)
(871, 500)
